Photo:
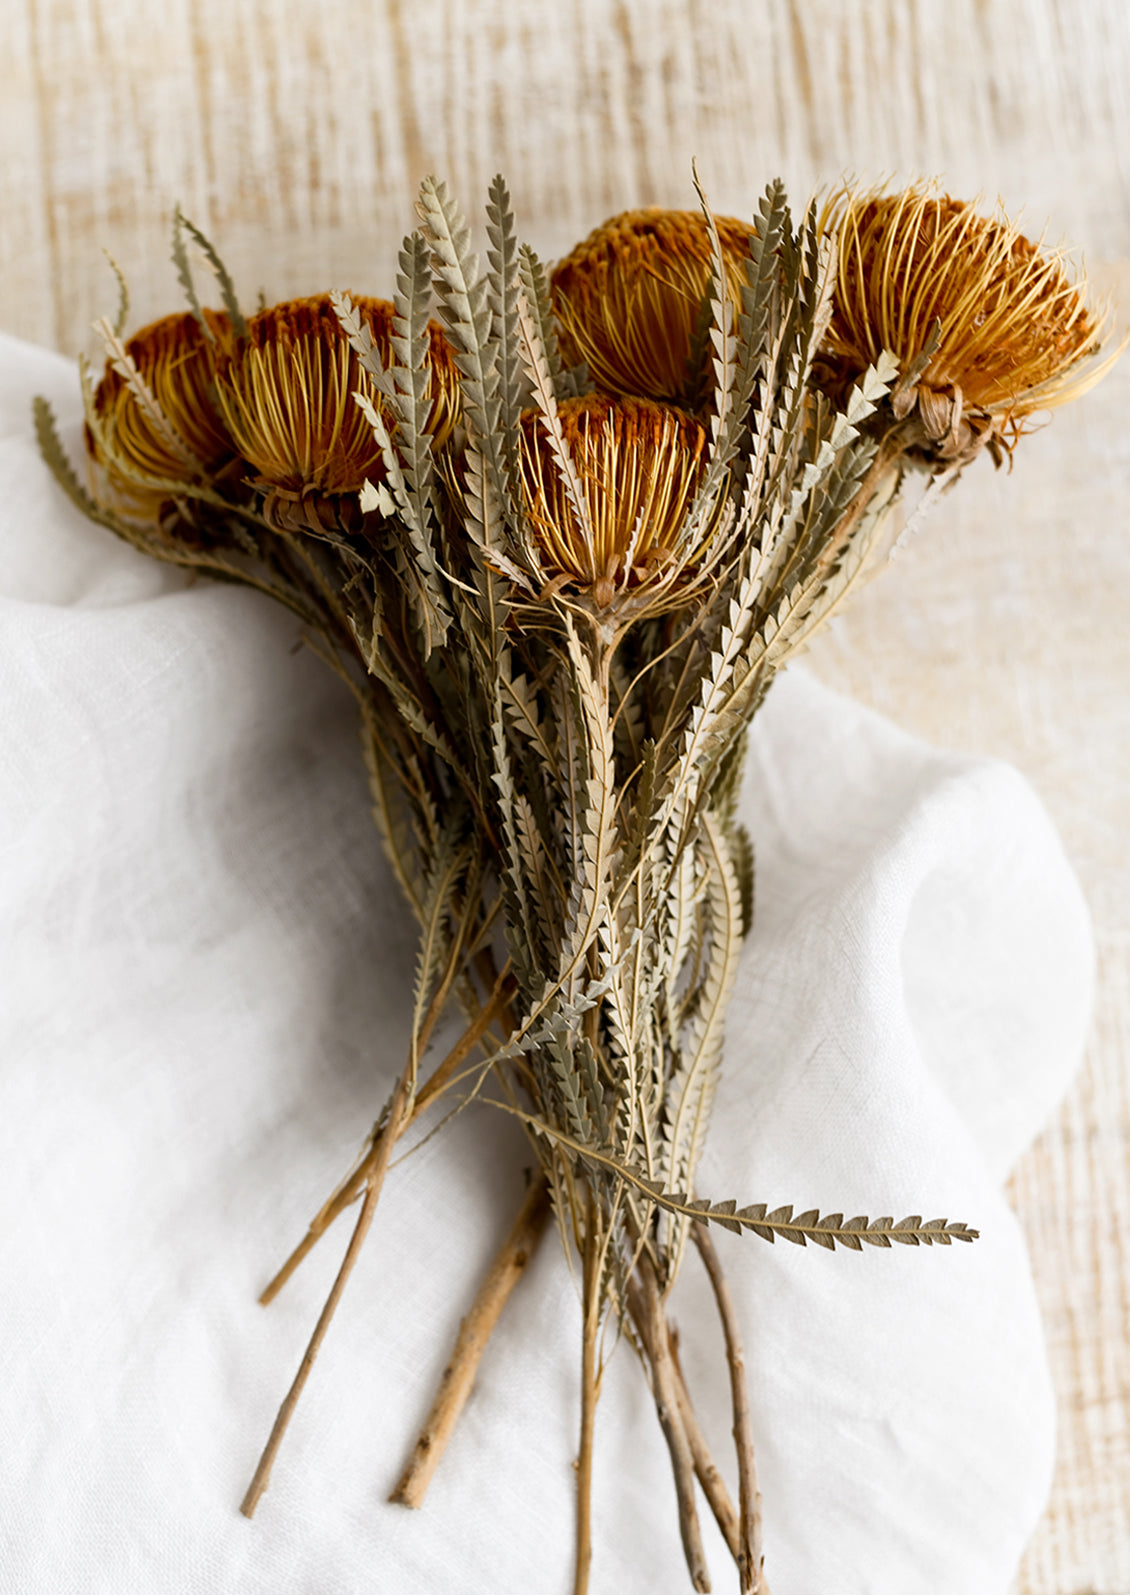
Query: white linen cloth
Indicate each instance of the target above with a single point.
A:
(205, 971)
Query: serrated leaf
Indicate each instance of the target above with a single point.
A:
(537, 369)
(534, 284)
(123, 296)
(182, 225)
(123, 363)
(377, 497)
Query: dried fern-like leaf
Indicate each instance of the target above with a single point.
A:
(537, 368)
(409, 388)
(182, 225)
(398, 496)
(595, 813)
(828, 1231)
(123, 363)
(502, 280)
(721, 328)
(447, 872)
(535, 286)
(122, 316)
(691, 1093)
(761, 306)
(463, 295)
(55, 457)
(463, 299)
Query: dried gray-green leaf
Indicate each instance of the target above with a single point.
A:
(182, 225)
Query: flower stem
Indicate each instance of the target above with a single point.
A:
(474, 1333)
(352, 1187)
(706, 1470)
(397, 1113)
(750, 1557)
(590, 1392)
(647, 1310)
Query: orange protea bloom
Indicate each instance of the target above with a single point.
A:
(628, 299)
(176, 362)
(286, 392)
(638, 465)
(1014, 326)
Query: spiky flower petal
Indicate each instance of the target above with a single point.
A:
(638, 464)
(1013, 327)
(286, 393)
(175, 360)
(629, 299)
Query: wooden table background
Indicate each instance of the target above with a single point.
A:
(295, 134)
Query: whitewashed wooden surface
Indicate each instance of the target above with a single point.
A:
(295, 134)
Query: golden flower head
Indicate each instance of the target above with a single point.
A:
(1014, 326)
(638, 464)
(286, 392)
(175, 360)
(628, 300)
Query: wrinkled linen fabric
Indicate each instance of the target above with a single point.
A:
(206, 975)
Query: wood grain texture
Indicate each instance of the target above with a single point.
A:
(295, 134)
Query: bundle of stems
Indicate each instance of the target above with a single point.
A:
(557, 544)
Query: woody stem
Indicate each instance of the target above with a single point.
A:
(356, 1182)
(474, 1333)
(750, 1557)
(397, 1112)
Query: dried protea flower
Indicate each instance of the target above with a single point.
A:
(637, 465)
(287, 389)
(629, 300)
(1012, 326)
(187, 440)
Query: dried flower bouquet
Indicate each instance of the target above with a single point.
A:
(558, 544)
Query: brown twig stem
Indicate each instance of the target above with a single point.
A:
(474, 1332)
(647, 1309)
(356, 1182)
(590, 1391)
(262, 1476)
(750, 1556)
(706, 1470)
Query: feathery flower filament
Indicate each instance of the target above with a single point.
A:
(638, 465)
(628, 299)
(287, 395)
(175, 359)
(1014, 326)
